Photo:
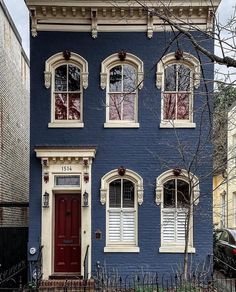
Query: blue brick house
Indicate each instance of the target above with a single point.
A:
(118, 107)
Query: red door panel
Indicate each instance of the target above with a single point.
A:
(67, 233)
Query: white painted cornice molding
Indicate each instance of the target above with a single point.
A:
(118, 15)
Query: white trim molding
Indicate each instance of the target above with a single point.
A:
(58, 59)
(112, 60)
(187, 59)
(112, 175)
(67, 161)
(98, 16)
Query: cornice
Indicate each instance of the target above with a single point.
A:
(118, 15)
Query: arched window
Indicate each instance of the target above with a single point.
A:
(67, 77)
(122, 78)
(177, 79)
(122, 194)
(176, 195)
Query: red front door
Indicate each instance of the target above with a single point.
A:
(67, 257)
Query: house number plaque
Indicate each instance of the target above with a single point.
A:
(66, 168)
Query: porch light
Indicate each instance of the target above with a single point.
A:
(85, 199)
(45, 200)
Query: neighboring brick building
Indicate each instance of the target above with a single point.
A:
(14, 124)
(108, 182)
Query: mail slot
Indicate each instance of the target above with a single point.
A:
(67, 241)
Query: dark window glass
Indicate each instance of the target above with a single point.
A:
(169, 194)
(116, 79)
(60, 106)
(73, 78)
(183, 195)
(115, 194)
(128, 194)
(170, 78)
(129, 77)
(183, 78)
(74, 106)
(61, 78)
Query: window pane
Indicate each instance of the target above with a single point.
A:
(129, 75)
(183, 78)
(169, 106)
(115, 194)
(60, 106)
(170, 78)
(115, 79)
(128, 107)
(183, 195)
(67, 180)
(183, 106)
(61, 78)
(73, 78)
(128, 194)
(169, 194)
(115, 102)
(74, 106)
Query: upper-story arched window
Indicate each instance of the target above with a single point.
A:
(67, 78)
(177, 79)
(122, 77)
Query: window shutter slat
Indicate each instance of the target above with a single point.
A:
(168, 226)
(181, 222)
(129, 226)
(114, 226)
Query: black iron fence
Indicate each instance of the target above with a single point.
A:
(13, 257)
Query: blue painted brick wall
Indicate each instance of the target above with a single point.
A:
(136, 149)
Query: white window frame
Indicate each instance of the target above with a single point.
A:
(193, 64)
(51, 64)
(223, 209)
(160, 181)
(106, 66)
(104, 199)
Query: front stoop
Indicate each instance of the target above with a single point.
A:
(69, 285)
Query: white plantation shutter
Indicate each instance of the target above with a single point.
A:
(168, 226)
(114, 226)
(181, 225)
(121, 226)
(173, 225)
(128, 220)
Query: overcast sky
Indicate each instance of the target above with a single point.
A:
(19, 14)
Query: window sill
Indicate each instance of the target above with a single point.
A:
(121, 249)
(177, 124)
(65, 125)
(121, 125)
(176, 249)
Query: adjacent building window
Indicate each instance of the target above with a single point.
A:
(176, 195)
(122, 79)
(177, 79)
(122, 195)
(67, 77)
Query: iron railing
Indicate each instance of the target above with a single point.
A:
(86, 264)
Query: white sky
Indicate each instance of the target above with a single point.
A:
(19, 14)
